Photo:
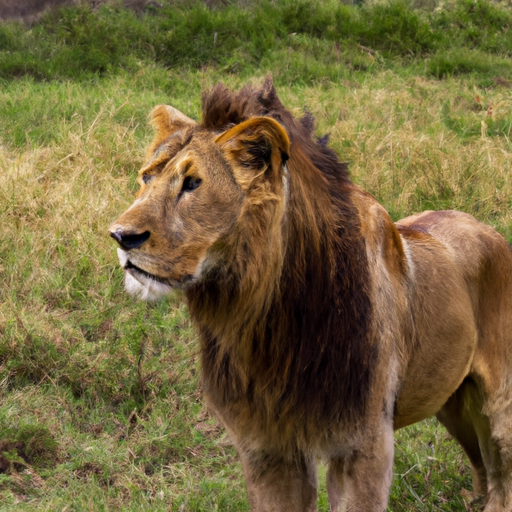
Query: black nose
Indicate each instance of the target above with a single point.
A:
(128, 239)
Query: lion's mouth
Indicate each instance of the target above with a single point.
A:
(136, 272)
(149, 280)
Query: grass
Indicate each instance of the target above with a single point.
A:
(84, 42)
(100, 405)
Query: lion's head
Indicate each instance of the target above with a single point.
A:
(195, 188)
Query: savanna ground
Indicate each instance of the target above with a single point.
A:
(100, 405)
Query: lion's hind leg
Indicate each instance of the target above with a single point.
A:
(459, 415)
(497, 447)
(482, 423)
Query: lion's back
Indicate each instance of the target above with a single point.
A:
(478, 251)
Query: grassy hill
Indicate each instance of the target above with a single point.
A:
(100, 407)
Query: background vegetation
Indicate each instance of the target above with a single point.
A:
(100, 407)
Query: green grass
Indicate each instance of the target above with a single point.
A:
(100, 405)
(82, 42)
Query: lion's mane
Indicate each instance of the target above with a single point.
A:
(290, 348)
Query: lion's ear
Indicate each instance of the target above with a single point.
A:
(166, 121)
(256, 146)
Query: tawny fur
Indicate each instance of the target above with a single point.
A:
(323, 325)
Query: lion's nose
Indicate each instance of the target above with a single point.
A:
(128, 239)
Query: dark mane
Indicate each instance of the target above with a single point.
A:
(306, 357)
(222, 108)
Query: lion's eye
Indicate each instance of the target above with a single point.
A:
(146, 178)
(190, 184)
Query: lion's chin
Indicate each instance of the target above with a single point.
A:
(140, 285)
(145, 288)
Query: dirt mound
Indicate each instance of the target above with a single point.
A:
(29, 10)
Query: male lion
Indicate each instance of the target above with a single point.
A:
(323, 325)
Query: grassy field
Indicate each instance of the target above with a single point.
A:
(100, 405)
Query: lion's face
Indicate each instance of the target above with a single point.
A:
(194, 189)
(185, 207)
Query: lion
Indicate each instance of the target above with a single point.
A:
(323, 325)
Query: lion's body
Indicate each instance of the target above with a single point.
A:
(323, 325)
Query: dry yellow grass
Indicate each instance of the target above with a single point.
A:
(56, 202)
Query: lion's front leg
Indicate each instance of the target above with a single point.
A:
(277, 484)
(360, 481)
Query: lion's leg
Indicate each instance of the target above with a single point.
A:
(460, 415)
(496, 442)
(275, 484)
(482, 422)
(360, 481)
